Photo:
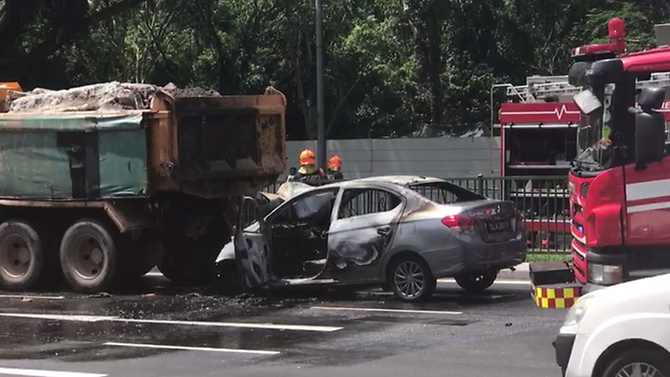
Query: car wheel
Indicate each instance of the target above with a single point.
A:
(477, 281)
(410, 279)
(641, 363)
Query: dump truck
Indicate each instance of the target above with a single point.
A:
(99, 184)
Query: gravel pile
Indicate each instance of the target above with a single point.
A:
(112, 96)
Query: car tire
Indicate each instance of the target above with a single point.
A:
(644, 358)
(418, 273)
(89, 256)
(477, 281)
(22, 259)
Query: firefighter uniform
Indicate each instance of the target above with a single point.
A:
(334, 169)
(308, 171)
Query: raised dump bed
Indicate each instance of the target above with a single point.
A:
(145, 174)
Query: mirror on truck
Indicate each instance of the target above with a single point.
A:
(577, 73)
(604, 72)
(649, 127)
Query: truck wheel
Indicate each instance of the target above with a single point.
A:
(21, 256)
(140, 256)
(638, 362)
(476, 281)
(88, 256)
(410, 279)
(184, 269)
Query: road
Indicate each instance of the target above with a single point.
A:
(159, 330)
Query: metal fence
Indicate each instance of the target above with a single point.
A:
(543, 201)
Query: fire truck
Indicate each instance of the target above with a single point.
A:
(619, 178)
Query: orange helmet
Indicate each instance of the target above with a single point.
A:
(335, 162)
(307, 158)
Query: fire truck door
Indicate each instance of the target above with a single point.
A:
(647, 210)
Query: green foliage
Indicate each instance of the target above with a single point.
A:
(391, 66)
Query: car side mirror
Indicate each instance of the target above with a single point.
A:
(649, 128)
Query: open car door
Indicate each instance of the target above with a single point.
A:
(252, 245)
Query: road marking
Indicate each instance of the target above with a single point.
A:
(498, 282)
(270, 326)
(384, 310)
(181, 348)
(154, 274)
(46, 373)
(60, 317)
(91, 318)
(35, 297)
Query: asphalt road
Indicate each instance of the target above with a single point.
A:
(158, 330)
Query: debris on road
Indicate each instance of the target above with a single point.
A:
(100, 295)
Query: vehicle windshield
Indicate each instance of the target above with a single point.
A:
(593, 132)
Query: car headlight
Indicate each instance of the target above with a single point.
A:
(577, 311)
(605, 274)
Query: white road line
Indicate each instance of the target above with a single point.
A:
(270, 326)
(35, 297)
(91, 318)
(497, 282)
(151, 273)
(181, 348)
(384, 310)
(60, 317)
(45, 373)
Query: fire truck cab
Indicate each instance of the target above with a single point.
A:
(620, 179)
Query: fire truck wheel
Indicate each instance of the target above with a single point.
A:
(21, 256)
(88, 256)
(476, 281)
(638, 362)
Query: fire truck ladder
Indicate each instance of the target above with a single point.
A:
(539, 92)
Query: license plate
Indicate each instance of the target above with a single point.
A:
(497, 226)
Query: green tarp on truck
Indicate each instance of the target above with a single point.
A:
(73, 156)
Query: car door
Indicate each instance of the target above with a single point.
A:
(364, 223)
(252, 245)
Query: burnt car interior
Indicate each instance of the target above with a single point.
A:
(300, 235)
(300, 230)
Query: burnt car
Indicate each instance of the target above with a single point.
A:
(403, 232)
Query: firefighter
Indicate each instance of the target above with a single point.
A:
(308, 171)
(334, 169)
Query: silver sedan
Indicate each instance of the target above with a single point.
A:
(403, 232)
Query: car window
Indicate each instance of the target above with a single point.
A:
(445, 193)
(306, 207)
(359, 202)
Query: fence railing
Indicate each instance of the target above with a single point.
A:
(543, 201)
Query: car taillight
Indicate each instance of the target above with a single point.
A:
(462, 223)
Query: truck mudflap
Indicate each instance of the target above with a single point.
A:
(553, 285)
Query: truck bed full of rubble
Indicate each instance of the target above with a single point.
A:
(111, 96)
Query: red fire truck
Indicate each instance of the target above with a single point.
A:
(620, 176)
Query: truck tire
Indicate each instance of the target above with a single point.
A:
(21, 256)
(476, 281)
(186, 269)
(140, 256)
(89, 256)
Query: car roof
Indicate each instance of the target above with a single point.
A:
(402, 180)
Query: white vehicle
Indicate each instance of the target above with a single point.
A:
(620, 331)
